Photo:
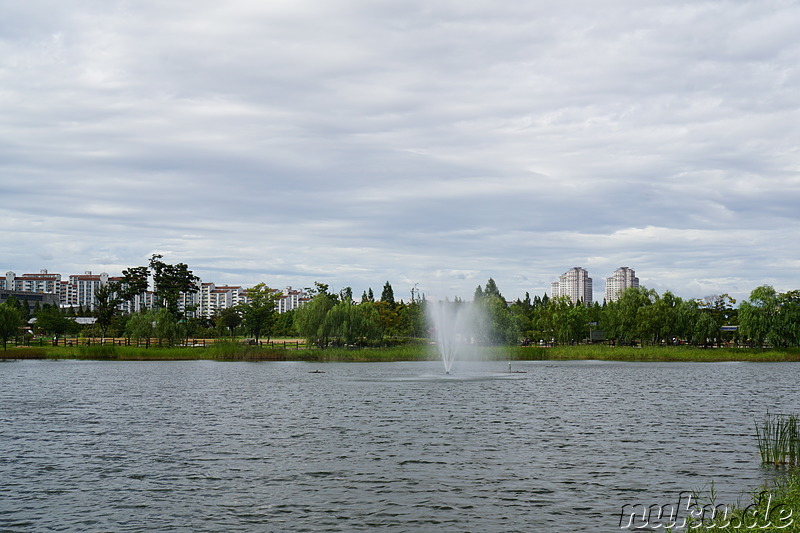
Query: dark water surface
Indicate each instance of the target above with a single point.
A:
(207, 446)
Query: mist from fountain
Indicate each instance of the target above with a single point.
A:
(456, 328)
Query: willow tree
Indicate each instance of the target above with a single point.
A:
(309, 320)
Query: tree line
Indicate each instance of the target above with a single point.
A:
(639, 316)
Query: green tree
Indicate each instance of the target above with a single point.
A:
(10, 321)
(229, 318)
(140, 325)
(259, 312)
(492, 290)
(387, 296)
(284, 325)
(50, 321)
(170, 281)
(133, 283)
(105, 308)
(412, 318)
(167, 329)
(501, 328)
(757, 315)
(567, 320)
(346, 295)
(388, 317)
(309, 320)
(350, 324)
(788, 319)
(628, 319)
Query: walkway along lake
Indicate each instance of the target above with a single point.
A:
(210, 446)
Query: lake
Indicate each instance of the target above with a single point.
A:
(212, 446)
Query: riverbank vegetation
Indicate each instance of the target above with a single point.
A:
(640, 326)
(779, 439)
(773, 507)
(420, 349)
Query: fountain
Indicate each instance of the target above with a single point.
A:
(456, 327)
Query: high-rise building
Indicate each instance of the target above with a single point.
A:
(576, 284)
(82, 288)
(622, 279)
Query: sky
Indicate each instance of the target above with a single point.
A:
(431, 144)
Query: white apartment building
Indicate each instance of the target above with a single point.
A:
(82, 287)
(576, 284)
(43, 282)
(621, 279)
(79, 291)
(211, 298)
(290, 299)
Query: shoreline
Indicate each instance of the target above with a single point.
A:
(234, 352)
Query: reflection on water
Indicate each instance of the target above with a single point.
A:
(205, 446)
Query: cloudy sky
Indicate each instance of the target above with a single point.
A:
(436, 143)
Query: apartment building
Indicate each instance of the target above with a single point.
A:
(621, 279)
(211, 298)
(290, 299)
(576, 284)
(43, 282)
(79, 291)
(82, 287)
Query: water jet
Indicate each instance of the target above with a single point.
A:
(455, 327)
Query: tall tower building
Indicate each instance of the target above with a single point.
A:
(622, 279)
(576, 284)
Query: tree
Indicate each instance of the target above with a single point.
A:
(350, 324)
(140, 325)
(627, 319)
(501, 326)
(259, 312)
(133, 283)
(106, 304)
(229, 318)
(284, 324)
(169, 281)
(167, 329)
(478, 294)
(757, 315)
(49, 320)
(492, 290)
(388, 317)
(309, 320)
(346, 295)
(387, 296)
(10, 320)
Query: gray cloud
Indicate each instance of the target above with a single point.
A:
(439, 144)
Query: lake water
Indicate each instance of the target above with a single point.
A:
(209, 446)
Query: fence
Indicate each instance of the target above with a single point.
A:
(146, 343)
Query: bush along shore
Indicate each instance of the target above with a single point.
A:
(419, 350)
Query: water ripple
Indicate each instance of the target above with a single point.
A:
(203, 446)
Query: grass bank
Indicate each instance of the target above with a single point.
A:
(220, 351)
(228, 351)
(654, 353)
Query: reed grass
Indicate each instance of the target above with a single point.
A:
(602, 352)
(771, 508)
(24, 352)
(779, 439)
(416, 351)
